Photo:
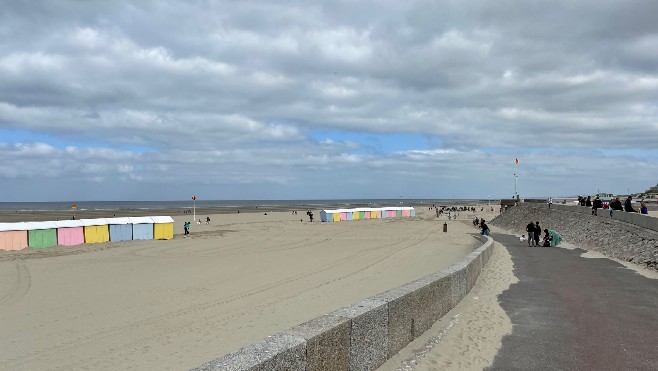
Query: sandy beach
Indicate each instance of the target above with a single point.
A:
(179, 303)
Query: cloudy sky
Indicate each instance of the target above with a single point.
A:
(159, 100)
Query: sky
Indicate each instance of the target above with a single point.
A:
(162, 100)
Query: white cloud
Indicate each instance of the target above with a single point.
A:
(232, 92)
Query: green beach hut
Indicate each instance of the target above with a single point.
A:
(41, 234)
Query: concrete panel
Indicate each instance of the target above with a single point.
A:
(276, 352)
(652, 223)
(459, 283)
(369, 336)
(327, 342)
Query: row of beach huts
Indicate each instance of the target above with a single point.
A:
(361, 213)
(17, 236)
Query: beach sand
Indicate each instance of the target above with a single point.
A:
(469, 336)
(179, 303)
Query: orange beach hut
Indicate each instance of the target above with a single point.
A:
(13, 236)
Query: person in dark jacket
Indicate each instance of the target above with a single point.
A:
(530, 228)
(597, 204)
(628, 207)
(588, 201)
(537, 233)
(615, 205)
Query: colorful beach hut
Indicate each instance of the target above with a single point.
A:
(96, 230)
(121, 229)
(41, 234)
(70, 232)
(142, 227)
(13, 236)
(163, 227)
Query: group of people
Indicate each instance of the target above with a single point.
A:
(534, 229)
(628, 206)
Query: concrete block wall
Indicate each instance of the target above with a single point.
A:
(364, 335)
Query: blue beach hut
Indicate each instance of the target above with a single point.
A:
(121, 229)
(142, 227)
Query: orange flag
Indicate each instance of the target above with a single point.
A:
(517, 162)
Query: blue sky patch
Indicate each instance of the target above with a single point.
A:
(377, 143)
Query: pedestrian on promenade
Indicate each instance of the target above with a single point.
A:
(596, 205)
(484, 227)
(550, 202)
(628, 207)
(537, 233)
(530, 228)
(588, 201)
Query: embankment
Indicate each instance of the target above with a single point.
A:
(620, 237)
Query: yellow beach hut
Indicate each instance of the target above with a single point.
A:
(163, 227)
(96, 230)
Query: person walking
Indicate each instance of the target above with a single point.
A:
(596, 205)
(588, 201)
(537, 233)
(530, 228)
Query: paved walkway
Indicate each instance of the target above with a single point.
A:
(574, 313)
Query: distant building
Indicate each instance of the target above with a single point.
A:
(652, 191)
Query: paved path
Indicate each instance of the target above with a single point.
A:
(574, 313)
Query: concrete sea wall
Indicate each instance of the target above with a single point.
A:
(630, 237)
(364, 335)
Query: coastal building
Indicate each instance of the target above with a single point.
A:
(142, 227)
(121, 229)
(338, 215)
(96, 230)
(13, 236)
(651, 192)
(70, 232)
(163, 227)
(41, 234)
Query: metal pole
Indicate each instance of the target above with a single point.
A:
(194, 210)
(516, 194)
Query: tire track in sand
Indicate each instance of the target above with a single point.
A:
(21, 286)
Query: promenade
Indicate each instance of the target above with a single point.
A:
(574, 313)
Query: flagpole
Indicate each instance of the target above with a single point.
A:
(194, 208)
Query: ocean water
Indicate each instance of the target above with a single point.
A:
(159, 205)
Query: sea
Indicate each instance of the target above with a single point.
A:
(161, 205)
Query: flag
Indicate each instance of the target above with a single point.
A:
(194, 198)
(517, 162)
(74, 207)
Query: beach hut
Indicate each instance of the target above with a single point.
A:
(336, 216)
(70, 232)
(13, 236)
(356, 215)
(142, 227)
(41, 234)
(96, 230)
(163, 227)
(121, 229)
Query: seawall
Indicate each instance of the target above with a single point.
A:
(625, 236)
(364, 335)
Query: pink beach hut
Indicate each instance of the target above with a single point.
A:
(13, 236)
(70, 232)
